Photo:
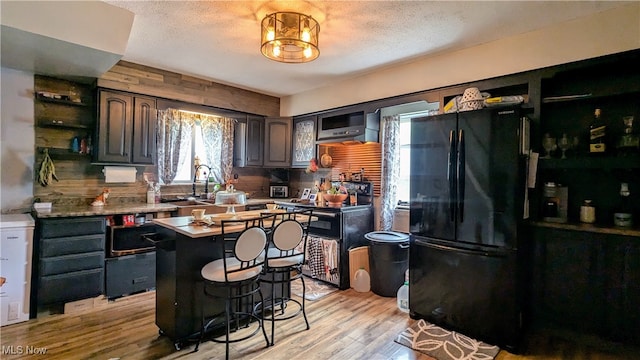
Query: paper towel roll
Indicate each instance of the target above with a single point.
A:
(119, 174)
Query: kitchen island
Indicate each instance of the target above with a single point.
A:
(182, 249)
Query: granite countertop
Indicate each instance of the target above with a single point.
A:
(88, 210)
(259, 201)
(116, 209)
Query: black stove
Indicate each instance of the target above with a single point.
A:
(364, 191)
(345, 226)
(290, 204)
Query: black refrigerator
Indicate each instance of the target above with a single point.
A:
(467, 200)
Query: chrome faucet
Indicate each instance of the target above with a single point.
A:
(206, 175)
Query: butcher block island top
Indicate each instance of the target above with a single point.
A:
(185, 225)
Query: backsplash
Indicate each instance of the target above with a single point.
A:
(345, 159)
(83, 186)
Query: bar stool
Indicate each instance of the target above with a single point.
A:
(285, 257)
(235, 278)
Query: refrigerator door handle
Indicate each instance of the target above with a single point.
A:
(451, 176)
(459, 250)
(460, 178)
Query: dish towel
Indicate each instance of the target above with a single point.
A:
(315, 256)
(330, 253)
(321, 258)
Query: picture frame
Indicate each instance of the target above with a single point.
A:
(312, 197)
(305, 193)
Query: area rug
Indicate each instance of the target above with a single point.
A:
(443, 344)
(316, 289)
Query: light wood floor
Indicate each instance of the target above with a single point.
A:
(344, 325)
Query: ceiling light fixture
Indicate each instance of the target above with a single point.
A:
(290, 37)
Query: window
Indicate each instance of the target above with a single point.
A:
(183, 135)
(187, 167)
(405, 155)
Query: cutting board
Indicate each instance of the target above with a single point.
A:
(358, 258)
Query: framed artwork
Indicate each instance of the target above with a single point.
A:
(312, 197)
(305, 193)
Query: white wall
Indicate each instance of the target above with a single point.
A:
(608, 32)
(17, 141)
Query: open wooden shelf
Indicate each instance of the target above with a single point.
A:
(583, 162)
(594, 228)
(565, 98)
(64, 101)
(61, 153)
(52, 123)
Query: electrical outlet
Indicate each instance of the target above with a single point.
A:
(14, 307)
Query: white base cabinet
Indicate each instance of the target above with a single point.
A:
(16, 246)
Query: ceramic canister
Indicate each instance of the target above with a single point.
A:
(587, 213)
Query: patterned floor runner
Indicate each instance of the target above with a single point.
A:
(443, 344)
(316, 289)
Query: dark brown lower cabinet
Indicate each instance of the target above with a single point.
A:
(130, 274)
(622, 259)
(586, 282)
(68, 261)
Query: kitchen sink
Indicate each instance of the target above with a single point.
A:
(186, 202)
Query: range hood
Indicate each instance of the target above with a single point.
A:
(349, 129)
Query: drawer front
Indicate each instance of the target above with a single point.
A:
(69, 263)
(51, 228)
(71, 245)
(71, 286)
(129, 274)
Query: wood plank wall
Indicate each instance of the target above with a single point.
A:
(80, 181)
(146, 80)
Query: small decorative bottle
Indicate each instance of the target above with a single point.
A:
(89, 145)
(83, 146)
(622, 215)
(629, 142)
(151, 195)
(597, 134)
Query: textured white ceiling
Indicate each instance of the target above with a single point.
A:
(220, 40)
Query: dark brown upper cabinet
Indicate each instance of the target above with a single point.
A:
(277, 142)
(126, 128)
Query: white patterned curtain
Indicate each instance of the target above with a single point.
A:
(390, 170)
(217, 133)
(174, 142)
(175, 137)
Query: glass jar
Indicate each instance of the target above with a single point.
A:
(587, 212)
